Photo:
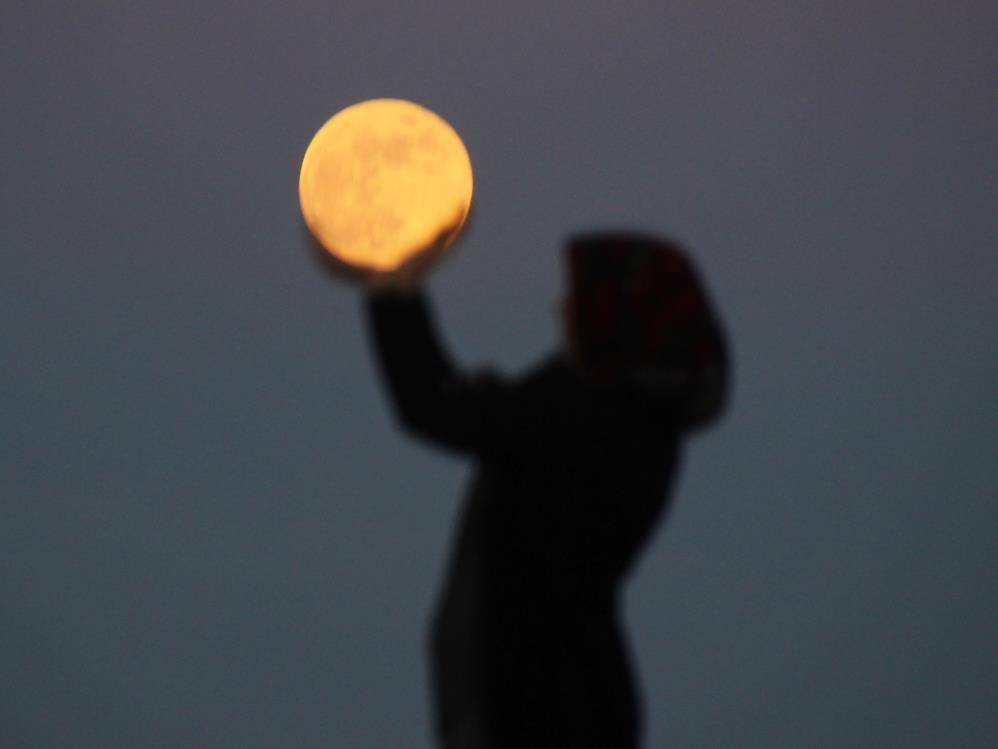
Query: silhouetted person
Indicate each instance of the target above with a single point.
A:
(574, 465)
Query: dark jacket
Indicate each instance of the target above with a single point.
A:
(572, 477)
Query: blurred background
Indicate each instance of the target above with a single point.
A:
(213, 535)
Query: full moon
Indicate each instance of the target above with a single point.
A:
(382, 181)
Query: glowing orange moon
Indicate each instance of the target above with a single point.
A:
(384, 180)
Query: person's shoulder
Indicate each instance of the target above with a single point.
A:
(550, 371)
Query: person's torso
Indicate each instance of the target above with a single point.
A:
(543, 542)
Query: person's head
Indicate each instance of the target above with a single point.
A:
(635, 305)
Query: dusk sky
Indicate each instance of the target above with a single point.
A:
(212, 533)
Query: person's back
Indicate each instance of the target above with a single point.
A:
(574, 462)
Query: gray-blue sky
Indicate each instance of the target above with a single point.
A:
(213, 535)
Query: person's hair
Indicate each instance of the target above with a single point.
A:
(638, 305)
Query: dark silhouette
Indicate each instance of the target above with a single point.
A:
(574, 465)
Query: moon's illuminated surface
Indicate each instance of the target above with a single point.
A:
(383, 180)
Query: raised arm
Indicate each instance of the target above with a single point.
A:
(430, 397)
(486, 414)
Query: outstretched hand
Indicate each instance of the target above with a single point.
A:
(405, 278)
(408, 277)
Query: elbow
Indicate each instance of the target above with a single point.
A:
(412, 421)
(429, 422)
(416, 419)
